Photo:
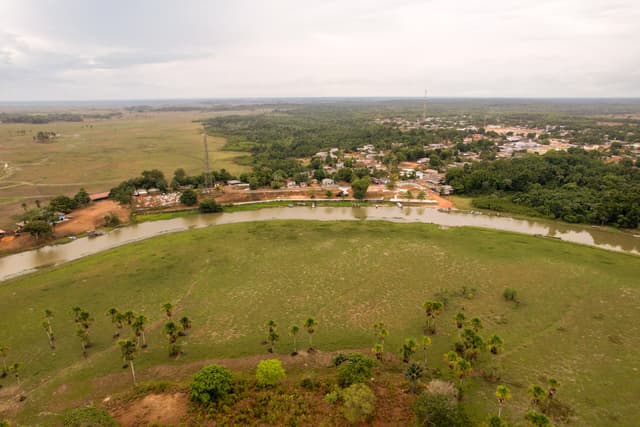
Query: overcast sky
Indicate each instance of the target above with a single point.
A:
(133, 49)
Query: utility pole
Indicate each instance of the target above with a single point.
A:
(208, 184)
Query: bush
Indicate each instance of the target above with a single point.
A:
(510, 295)
(210, 206)
(340, 357)
(88, 417)
(332, 397)
(211, 384)
(359, 403)
(356, 369)
(188, 197)
(439, 410)
(270, 372)
(111, 220)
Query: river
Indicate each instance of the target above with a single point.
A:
(28, 261)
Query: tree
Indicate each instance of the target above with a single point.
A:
(380, 331)
(128, 348)
(116, 319)
(83, 322)
(15, 368)
(82, 198)
(293, 332)
(495, 344)
(209, 206)
(503, 394)
(185, 322)
(84, 340)
(269, 372)
(426, 343)
(171, 333)
(476, 324)
(536, 394)
(460, 319)
(413, 373)
(48, 329)
(168, 307)
(553, 388)
(211, 384)
(439, 410)
(378, 350)
(272, 335)
(360, 186)
(63, 204)
(189, 197)
(138, 326)
(422, 195)
(38, 228)
(355, 369)
(4, 350)
(462, 368)
(359, 403)
(408, 349)
(128, 317)
(432, 310)
(310, 325)
(537, 419)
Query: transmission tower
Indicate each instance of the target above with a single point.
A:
(424, 107)
(208, 183)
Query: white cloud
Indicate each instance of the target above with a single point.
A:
(158, 49)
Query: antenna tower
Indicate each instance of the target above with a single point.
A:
(208, 184)
(424, 106)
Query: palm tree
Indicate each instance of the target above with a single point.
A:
(495, 344)
(171, 332)
(537, 394)
(426, 343)
(310, 325)
(4, 350)
(378, 350)
(553, 387)
(138, 325)
(128, 317)
(380, 331)
(48, 329)
(460, 319)
(413, 374)
(185, 323)
(271, 325)
(537, 419)
(476, 324)
(116, 319)
(462, 368)
(451, 358)
(129, 349)
(503, 394)
(167, 307)
(293, 331)
(76, 313)
(15, 368)
(432, 310)
(273, 338)
(83, 334)
(408, 349)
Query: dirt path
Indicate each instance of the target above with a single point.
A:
(89, 218)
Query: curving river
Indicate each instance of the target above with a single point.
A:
(25, 262)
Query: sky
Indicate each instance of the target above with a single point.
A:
(160, 49)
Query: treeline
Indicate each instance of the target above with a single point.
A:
(575, 186)
(39, 118)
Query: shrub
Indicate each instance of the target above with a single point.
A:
(210, 206)
(188, 197)
(510, 295)
(439, 410)
(359, 403)
(333, 397)
(211, 384)
(88, 417)
(340, 357)
(270, 372)
(111, 220)
(356, 369)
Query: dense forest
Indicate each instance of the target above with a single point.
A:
(575, 186)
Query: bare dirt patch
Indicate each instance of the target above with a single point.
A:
(154, 409)
(91, 217)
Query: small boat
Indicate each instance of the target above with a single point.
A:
(398, 204)
(95, 233)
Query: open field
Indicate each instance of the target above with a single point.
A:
(576, 301)
(98, 154)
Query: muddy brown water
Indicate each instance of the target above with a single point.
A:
(25, 262)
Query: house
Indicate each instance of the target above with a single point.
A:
(234, 182)
(58, 217)
(292, 184)
(99, 196)
(3, 233)
(422, 160)
(328, 182)
(141, 192)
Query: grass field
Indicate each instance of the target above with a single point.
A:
(98, 154)
(577, 321)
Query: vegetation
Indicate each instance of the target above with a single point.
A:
(239, 280)
(88, 417)
(211, 384)
(269, 372)
(359, 403)
(440, 410)
(355, 369)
